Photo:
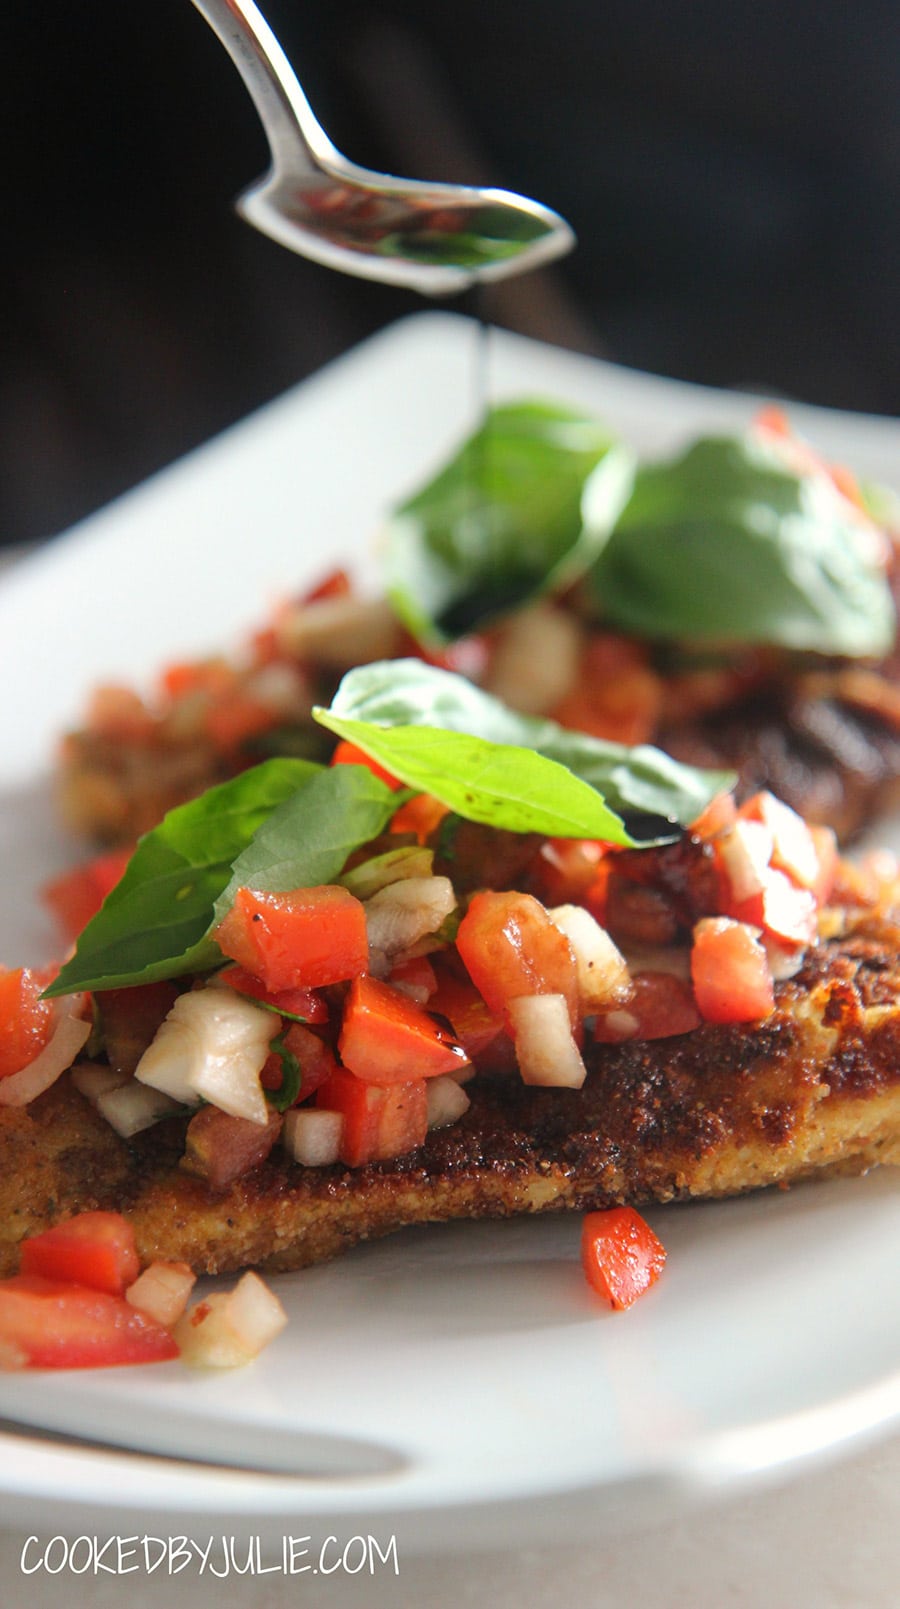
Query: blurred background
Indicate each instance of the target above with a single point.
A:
(732, 172)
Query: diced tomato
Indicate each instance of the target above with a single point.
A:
(415, 977)
(129, 1019)
(784, 911)
(620, 1254)
(730, 972)
(77, 895)
(315, 1057)
(26, 1021)
(379, 1121)
(348, 754)
(510, 947)
(567, 869)
(719, 814)
(741, 855)
(306, 938)
(386, 1038)
(420, 815)
(211, 677)
(220, 1148)
(303, 1003)
(93, 1248)
(793, 846)
(617, 695)
(457, 999)
(235, 719)
(49, 1325)
(335, 584)
(660, 1005)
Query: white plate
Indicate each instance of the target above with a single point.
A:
(457, 1383)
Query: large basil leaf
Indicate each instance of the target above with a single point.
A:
(726, 545)
(283, 824)
(503, 521)
(439, 733)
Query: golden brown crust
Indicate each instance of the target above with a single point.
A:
(814, 1089)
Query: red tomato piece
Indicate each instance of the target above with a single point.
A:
(660, 1005)
(315, 1057)
(620, 1255)
(26, 1021)
(793, 846)
(130, 1017)
(93, 1248)
(386, 1038)
(457, 999)
(511, 947)
(306, 938)
(730, 972)
(50, 1325)
(784, 911)
(348, 754)
(718, 815)
(77, 895)
(380, 1121)
(303, 1003)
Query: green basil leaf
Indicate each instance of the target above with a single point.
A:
(725, 544)
(291, 1077)
(439, 733)
(154, 923)
(307, 838)
(503, 521)
(284, 824)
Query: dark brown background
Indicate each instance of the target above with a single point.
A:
(732, 171)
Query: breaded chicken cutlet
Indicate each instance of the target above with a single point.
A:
(724, 1109)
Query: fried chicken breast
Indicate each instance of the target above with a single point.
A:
(814, 1089)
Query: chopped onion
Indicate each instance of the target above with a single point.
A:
(93, 1080)
(603, 977)
(545, 1049)
(212, 1046)
(401, 914)
(70, 1034)
(230, 1328)
(312, 1135)
(162, 1292)
(341, 631)
(130, 1108)
(537, 658)
(446, 1101)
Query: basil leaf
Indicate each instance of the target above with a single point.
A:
(154, 923)
(726, 545)
(291, 1076)
(307, 838)
(502, 522)
(440, 733)
(285, 824)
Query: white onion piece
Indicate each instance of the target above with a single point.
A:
(228, 1328)
(446, 1101)
(401, 914)
(162, 1292)
(93, 1080)
(131, 1107)
(312, 1136)
(603, 977)
(545, 1049)
(212, 1046)
(70, 1034)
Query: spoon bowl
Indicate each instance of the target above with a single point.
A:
(434, 238)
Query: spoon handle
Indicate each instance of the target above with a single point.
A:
(292, 129)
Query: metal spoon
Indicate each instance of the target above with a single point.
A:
(436, 238)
